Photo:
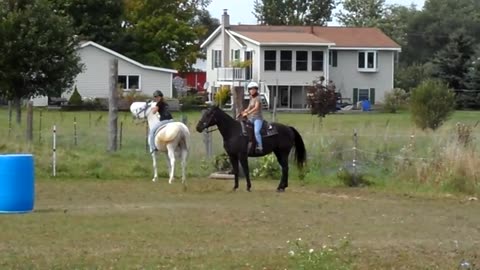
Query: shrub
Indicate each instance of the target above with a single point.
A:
(190, 102)
(222, 95)
(321, 100)
(394, 100)
(269, 167)
(351, 179)
(431, 103)
(76, 98)
(222, 162)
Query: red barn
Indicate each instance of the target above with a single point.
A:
(194, 79)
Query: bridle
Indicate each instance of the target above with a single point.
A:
(144, 110)
(205, 123)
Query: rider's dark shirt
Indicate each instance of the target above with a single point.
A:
(163, 111)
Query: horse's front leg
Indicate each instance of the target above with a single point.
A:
(155, 172)
(244, 163)
(234, 162)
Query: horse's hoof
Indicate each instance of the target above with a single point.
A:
(234, 189)
(154, 180)
(280, 190)
(249, 190)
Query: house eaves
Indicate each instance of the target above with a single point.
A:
(211, 37)
(123, 57)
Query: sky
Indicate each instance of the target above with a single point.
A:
(240, 11)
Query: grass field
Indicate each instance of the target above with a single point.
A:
(141, 225)
(103, 212)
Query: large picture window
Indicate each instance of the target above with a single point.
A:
(270, 59)
(129, 82)
(317, 60)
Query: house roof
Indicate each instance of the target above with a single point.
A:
(123, 57)
(338, 37)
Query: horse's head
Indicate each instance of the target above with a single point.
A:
(208, 118)
(140, 110)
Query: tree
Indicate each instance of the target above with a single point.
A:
(38, 51)
(163, 32)
(96, 20)
(473, 76)
(362, 13)
(395, 22)
(294, 12)
(452, 63)
(429, 30)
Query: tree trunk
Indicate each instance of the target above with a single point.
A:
(18, 110)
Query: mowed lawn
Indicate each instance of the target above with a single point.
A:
(126, 224)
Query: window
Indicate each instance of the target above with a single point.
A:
(216, 58)
(317, 61)
(286, 60)
(129, 82)
(363, 94)
(302, 61)
(367, 61)
(270, 60)
(235, 55)
(333, 58)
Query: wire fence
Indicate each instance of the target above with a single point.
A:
(327, 150)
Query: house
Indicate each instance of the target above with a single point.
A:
(93, 82)
(287, 59)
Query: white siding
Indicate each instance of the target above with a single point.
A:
(94, 80)
(346, 75)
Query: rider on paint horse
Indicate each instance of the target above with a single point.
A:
(165, 117)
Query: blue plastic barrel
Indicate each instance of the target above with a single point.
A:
(17, 183)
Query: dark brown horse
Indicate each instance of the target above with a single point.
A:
(236, 144)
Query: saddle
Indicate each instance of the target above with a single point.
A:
(162, 126)
(267, 130)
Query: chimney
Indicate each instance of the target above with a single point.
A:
(225, 39)
(225, 19)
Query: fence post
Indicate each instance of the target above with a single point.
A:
(40, 129)
(54, 150)
(146, 139)
(89, 119)
(120, 136)
(75, 130)
(29, 134)
(354, 164)
(207, 139)
(9, 118)
(113, 107)
(274, 110)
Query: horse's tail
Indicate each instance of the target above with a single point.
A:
(300, 151)
(185, 136)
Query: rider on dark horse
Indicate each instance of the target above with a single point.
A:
(254, 114)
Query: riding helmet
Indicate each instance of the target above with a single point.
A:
(252, 85)
(157, 93)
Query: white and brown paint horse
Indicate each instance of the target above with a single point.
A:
(172, 139)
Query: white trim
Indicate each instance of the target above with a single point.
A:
(367, 69)
(123, 57)
(234, 38)
(245, 38)
(393, 71)
(212, 36)
(367, 48)
(295, 44)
